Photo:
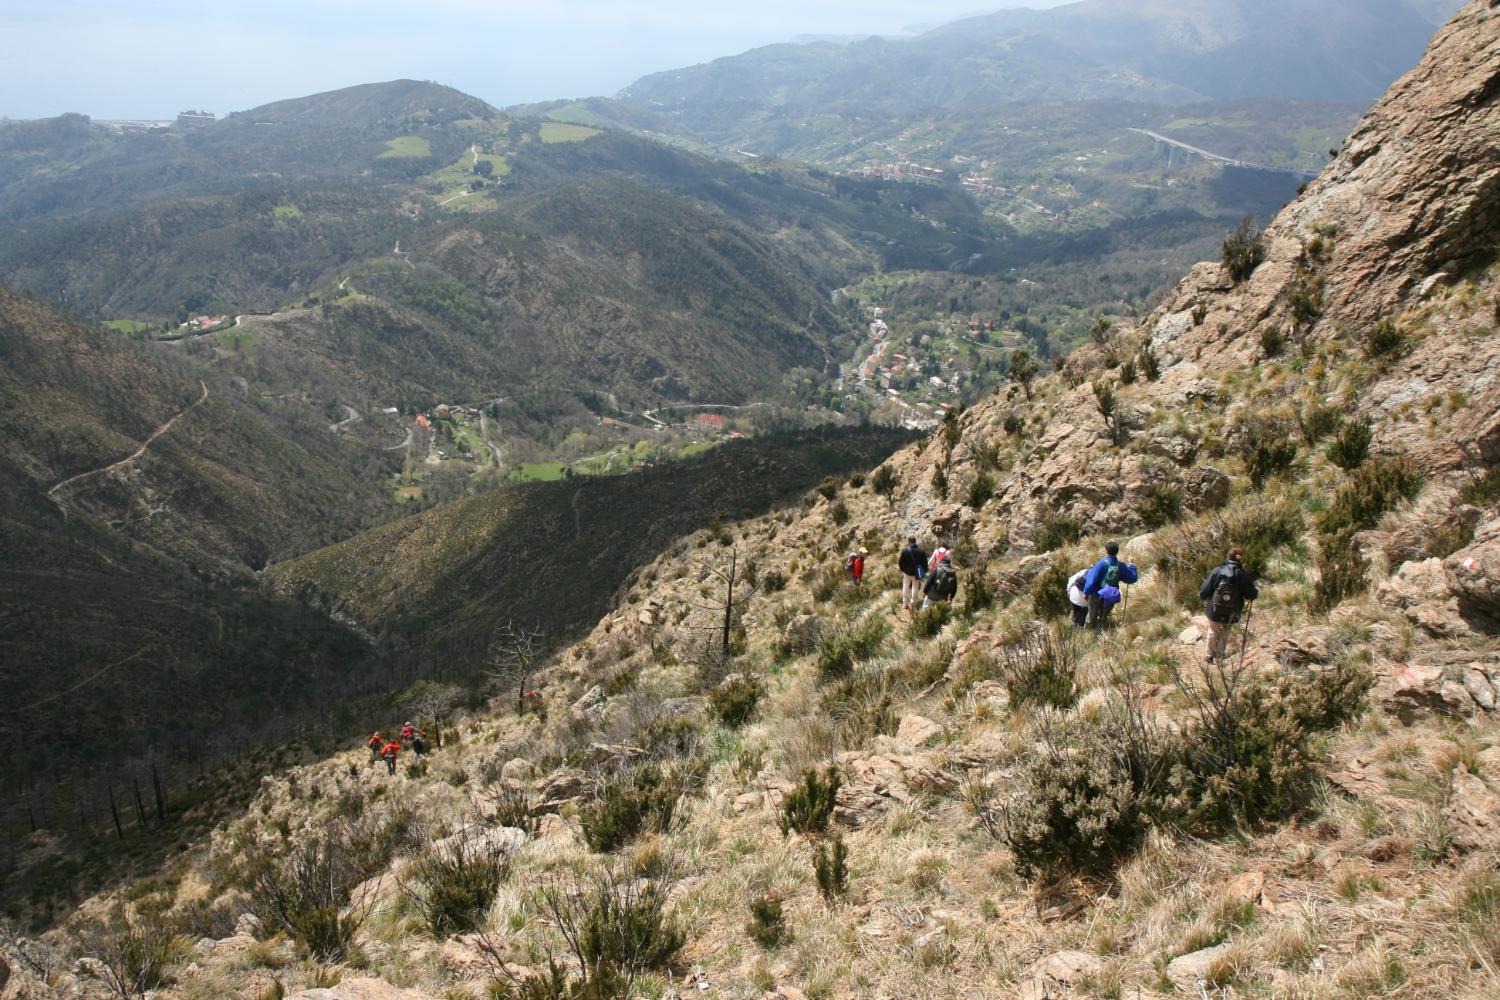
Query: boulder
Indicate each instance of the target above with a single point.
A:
(1302, 648)
(591, 705)
(1474, 812)
(1473, 572)
(1249, 887)
(248, 925)
(1058, 974)
(1419, 689)
(1414, 583)
(559, 788)
(1204, 488)
(916, 731)
(1477, 683)
(1188, 970)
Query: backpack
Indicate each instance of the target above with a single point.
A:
(1112, 575)
(1227, 599)
(946, 582)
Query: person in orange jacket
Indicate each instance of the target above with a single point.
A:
(389, 753)
(375, 743)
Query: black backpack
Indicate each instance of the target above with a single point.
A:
(1228, 597)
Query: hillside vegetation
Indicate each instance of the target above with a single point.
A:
(840, 798)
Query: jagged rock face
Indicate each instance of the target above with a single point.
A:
(1415, 192)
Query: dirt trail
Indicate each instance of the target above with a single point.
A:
(52, 493)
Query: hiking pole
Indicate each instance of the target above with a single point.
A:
(1245, 635)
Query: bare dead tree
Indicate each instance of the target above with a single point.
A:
(515, 654)
(719, 616)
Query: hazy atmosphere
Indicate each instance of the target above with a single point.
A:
(149, 60)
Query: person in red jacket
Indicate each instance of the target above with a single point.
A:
(389, 753)
(855, 564)
(375, 743)
(407, 732)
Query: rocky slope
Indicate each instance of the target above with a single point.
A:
(1026, 812)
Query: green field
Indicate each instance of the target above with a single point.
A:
(406, 145)
(564, 132)
(237, 340)
(286, 212)
(129, 325)
(689, 450)
(456, 177)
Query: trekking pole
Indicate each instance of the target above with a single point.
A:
(1245, 636)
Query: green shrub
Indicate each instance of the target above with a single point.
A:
(940, 481)
(1244, 755)
(1350, 449)
(131, 961)
(637, 800)
(1127, 371)
(1075, 805)
(1163, 504)
(454, 885)
(512, 806)
(767, 925)
(1370, 491)
(773, 582)
(1318, 420)
(1341, 575)
(829, 487)
(1384, 341)
(1150, 363)
(626, 927)
(1272, 341)
(1013, 424)
(1267, 445)
(1244, 250)
(884, 481)
(857, 480)
(979, 593)
(1049, 591)
(930, 621)
(1058, 531)
(808, 807)
(839, 651)
(1305, 296)
(981, 490)
(951, 431)
(1482, 490)
(831, 869)
(734, 701)
(838, 512)
(1041, 668)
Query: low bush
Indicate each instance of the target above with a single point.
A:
(930, 621)
(634, 801)
(1162, 505)
(1350, 449)
(981, 490)
(1150, 364)
(831, 869)
(808, 807)
(1041, 668)
(767, 924)
(511, 805)
(1049, 591)
(1075, 805)
(884, 481)
(454, 884)
(839, 651)
(978, 591)
(1341, 575)
(131, 961)
(829, 487)
(1482, 490)
(734, 701)
(1318, 420)
(838, 512)
(1268, 445)
(1384, 341)
(1244, 250)
(1272, 341)
(1370, 491)
(773, 582)
(1057, 532)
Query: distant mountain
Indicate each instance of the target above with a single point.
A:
(1171, 51)
(407, 101)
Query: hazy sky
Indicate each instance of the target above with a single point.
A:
(132, 58)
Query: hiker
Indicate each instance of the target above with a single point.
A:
(1077, 599)
(938, 555)
(374, 743)
(855, 564)
(391, 750)
(419, 742)
(913, 565)
(407, 732)
(1224, 594)
(942, 584)
(1107, 572)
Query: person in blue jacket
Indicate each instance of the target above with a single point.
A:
(1107, 572)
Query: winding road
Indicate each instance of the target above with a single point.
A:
(52, 493)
